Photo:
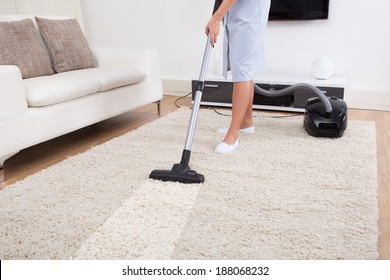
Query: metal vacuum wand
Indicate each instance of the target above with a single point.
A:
(181, 172)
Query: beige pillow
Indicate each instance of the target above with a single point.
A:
(67, 45)
(21, 45)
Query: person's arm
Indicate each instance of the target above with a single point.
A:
(213, 25)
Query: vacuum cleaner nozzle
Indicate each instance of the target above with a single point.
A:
(319, 123)
(180, 172)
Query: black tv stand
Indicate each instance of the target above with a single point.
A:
(218, 92)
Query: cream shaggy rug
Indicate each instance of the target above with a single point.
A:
(281, 195)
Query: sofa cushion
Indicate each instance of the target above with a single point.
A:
(111, 77)
(21, 45)
(49, 90)
(67, 44)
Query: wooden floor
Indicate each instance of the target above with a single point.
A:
(46, 154)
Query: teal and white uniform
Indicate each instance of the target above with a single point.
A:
(245, 25)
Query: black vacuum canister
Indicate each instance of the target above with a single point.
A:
(319, 123)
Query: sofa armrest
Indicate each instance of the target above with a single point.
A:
(146, 60)
(12, 95)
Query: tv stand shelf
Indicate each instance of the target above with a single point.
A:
(218, 92)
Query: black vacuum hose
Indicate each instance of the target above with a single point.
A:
(287, 90)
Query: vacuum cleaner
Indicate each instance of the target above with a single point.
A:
(324, 117)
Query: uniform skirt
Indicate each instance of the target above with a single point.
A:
(245, 25)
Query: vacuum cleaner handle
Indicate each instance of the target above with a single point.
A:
(200, 87)
(216, 5)
(181, 172)
(198, 95)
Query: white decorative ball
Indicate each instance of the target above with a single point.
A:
(322, 68)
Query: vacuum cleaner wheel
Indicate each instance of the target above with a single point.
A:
(319, 123)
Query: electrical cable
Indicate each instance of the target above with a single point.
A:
(180, 98)
(261, 116)
(229, 115)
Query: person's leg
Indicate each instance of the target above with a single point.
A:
(241, 110)
(248, 118)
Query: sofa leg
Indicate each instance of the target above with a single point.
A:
(159, 107)
(3, 158)
(2, 178)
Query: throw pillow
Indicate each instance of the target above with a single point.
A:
(21, 45)
(67, 45)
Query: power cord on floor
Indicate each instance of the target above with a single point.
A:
(266, 117)
(180, 98)
(229, 115)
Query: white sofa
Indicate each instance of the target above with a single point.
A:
(37, 109)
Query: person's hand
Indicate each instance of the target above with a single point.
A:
(212, 29)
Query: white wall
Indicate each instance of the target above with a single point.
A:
(173, 27)
(356, 36)
(69, 8)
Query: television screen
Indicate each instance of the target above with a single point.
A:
(298, 9)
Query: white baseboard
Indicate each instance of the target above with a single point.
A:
(374, 100)
(368, 100)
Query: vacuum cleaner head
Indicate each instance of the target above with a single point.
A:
(180, 172)
(319, 123)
